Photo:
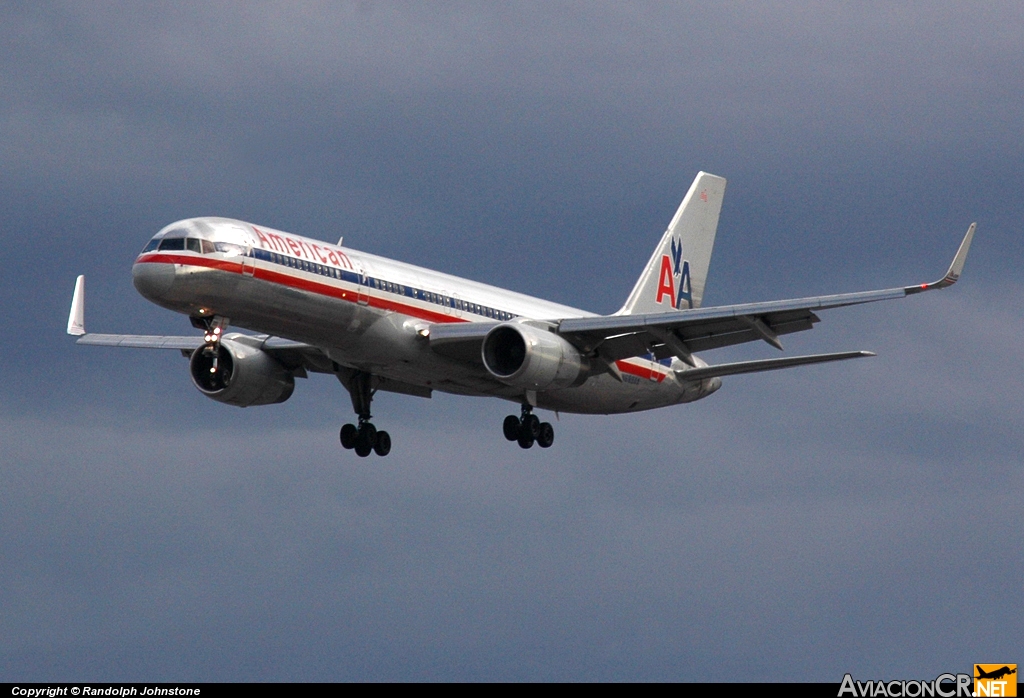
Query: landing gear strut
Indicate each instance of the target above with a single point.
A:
(213, 328)
(527, 429)
(363, 438)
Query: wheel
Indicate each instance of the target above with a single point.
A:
(382, 443)
(546, 435)
(349, 432)
(511, 427)
(525, 439)
(531, 424)
(365, 438)
(367, 431)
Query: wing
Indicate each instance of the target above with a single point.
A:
(297, 357)
(681, 333)
(609, 338)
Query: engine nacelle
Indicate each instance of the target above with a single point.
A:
(529, 358)
(243, 376)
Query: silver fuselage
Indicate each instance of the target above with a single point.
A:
(373, 314)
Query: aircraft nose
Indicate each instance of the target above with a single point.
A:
(153, 281)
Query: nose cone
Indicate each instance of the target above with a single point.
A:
(153, 281)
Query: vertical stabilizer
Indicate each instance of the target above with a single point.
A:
(674, 277)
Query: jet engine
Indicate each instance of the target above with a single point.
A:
(240, 375)
(530, 358)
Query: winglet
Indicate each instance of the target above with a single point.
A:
(76, 319)
(955, 269)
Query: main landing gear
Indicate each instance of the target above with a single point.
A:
(363, 438)
(527, 429)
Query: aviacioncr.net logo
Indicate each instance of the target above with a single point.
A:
(995, 680)
(943, 686)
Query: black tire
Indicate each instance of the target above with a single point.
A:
(365, 439)
(382, 443)
(546, 435)
(511, 427)
(525, 439)
(531, 424)
(349, 432)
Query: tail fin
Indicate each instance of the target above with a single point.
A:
(674, 278)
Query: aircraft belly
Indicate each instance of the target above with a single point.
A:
(604, 394)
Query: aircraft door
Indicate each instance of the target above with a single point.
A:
(248, 262)
(362, 290)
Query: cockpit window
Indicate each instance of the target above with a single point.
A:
(151, 245)
(192, 245)
(207, 247)
(230, 248)
(172, 244)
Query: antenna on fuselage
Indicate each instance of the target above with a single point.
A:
(341, 240)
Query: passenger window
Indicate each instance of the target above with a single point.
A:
(172, 244)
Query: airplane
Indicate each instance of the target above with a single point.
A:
(380, 324)
(994, 674)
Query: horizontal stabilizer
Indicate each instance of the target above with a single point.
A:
(766, 365)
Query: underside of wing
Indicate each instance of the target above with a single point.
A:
(141, 341)
(460, 341)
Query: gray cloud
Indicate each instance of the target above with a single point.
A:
(802, 524)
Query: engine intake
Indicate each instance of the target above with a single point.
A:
(529, 358)
(243, 376)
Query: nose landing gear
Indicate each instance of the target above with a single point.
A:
(213, 329)
(528, 429)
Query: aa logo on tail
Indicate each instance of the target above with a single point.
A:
(674, 278)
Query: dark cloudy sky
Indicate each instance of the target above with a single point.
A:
(864, 517)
